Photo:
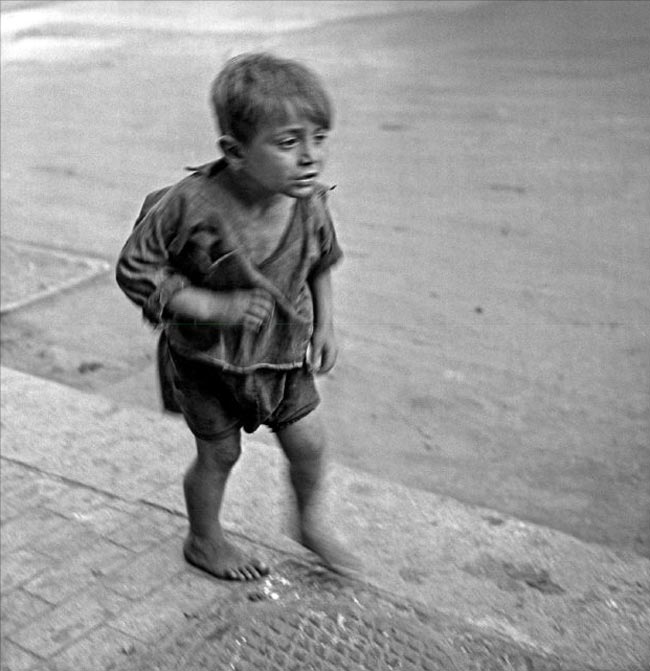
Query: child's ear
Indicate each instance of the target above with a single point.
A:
(232, 149)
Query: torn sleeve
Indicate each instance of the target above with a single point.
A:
(143, 269)
(330, 250)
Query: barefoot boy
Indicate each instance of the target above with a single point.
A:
(234, 262)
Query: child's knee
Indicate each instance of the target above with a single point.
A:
(304, 440)
(220, 453)
(311, 450)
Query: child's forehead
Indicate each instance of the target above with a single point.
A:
(289, 120)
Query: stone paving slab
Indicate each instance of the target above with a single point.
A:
(93, 522)
(303, 619)
(88, 593)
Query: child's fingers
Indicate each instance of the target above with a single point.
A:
(254, 319)
(308, 357)
(328, 360)
(315, 357)
(262, 297)
(260, 310)
(261, 313)
(262, 303)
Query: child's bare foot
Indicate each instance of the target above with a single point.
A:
(222, 559)
(333, 554)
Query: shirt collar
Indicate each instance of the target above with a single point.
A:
(208, 169)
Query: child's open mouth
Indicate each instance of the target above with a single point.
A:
(307, 180)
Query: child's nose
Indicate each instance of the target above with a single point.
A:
(308, 154)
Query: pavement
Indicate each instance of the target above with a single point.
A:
(31, 273)
(93, 576)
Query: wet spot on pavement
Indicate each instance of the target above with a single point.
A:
(509, 188)
(362, 488)
(413, 575)
(511, 577)
(64, 170)
(392, 126)
(493, 520)
(89, 366)
(422, 402)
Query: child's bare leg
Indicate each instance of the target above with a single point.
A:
(204, 485)
(304, 444)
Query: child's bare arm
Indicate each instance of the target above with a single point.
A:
(145, 275)
(247, 308)
(324, 348)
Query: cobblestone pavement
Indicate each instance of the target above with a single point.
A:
(87, 578)
(93, 582)
(305, 619)
(93, 578)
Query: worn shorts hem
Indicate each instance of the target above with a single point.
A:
(302, 413)
(219, 435)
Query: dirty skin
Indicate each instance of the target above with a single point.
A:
(206, 546)
(224, 560)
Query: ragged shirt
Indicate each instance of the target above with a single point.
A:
(181, 239)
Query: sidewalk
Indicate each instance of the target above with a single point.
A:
(93, 577)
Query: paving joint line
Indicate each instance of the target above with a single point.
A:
(77, 483)
(286, 554)
(95, 267)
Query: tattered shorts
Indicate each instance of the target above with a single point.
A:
(216, 403)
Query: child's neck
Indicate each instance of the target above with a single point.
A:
(249, 194)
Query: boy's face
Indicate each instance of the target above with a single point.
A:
(285, 157)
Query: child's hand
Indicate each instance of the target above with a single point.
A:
(247, 308)
(324, 350)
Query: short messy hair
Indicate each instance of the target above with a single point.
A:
(257, 88)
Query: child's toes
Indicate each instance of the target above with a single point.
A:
(262, 569)
(249, 573)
